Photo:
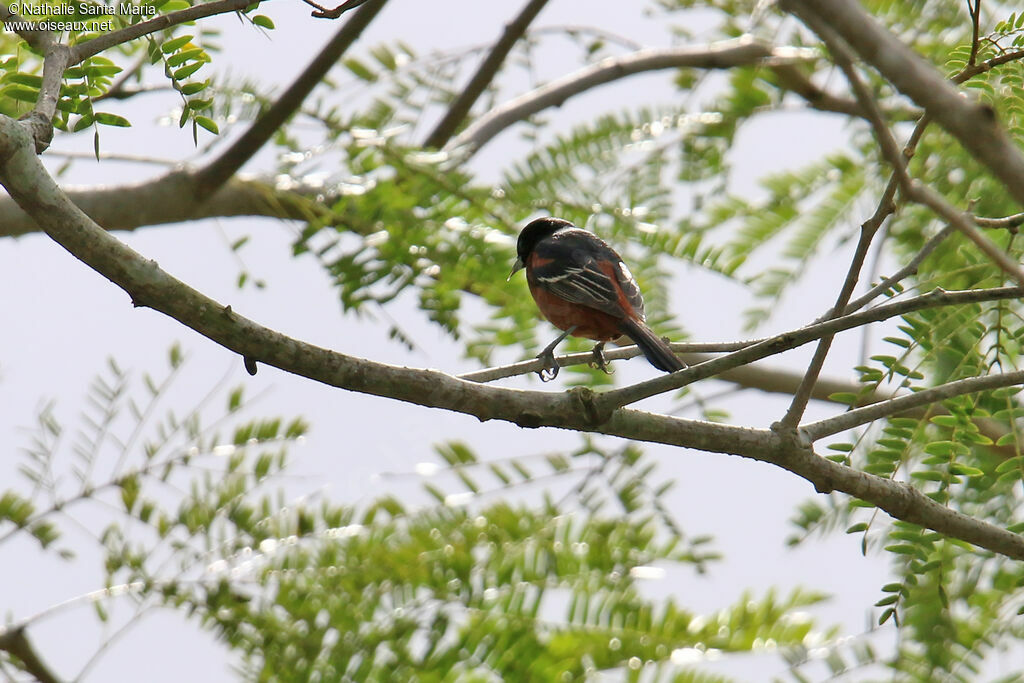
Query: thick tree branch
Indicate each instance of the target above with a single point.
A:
(971, 122)
(458, 110)
(28, 182)
(912, 189)
(170, 199)
(722, 55)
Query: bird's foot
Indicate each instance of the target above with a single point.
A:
(599, 361)
(549, 368)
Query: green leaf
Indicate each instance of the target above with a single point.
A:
(208, 124)
(193, 88)
(192, 54)
(957, 468)
(83, 123)
(359, 69)
(20, 93)
(174, 43)
(175, 356)
(186, 71)
(263, 21)
(112, 120)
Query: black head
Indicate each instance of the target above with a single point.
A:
(534, 232)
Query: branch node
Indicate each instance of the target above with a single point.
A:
(41, 129)
(987, 112)
(250, 365)
(592, 412)
(824, 486)
(529, 420)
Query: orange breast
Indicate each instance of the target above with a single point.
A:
(591, 323)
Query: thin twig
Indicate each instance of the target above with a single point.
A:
(106, 41)
(868, 229)
(720, 55)
(118, 89)
(909, 269)
(791, 78)
(901, 404)
(217, 172)
(324, 13)
(970, 71)
(796, 338)
(533, 365)
(458, 110)
(964, 222)
(974, 9)
(1006, 223)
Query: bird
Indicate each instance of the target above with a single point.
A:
(583, 287)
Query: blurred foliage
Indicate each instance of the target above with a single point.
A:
(534, 568)
(456, 586)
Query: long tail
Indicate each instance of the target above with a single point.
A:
(653, 346)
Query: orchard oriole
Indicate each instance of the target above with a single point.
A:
(582, 286)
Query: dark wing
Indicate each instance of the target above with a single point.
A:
(578, 267)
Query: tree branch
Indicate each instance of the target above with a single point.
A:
(868, 229)
(1005, 223)
(39, 40)
(252, 140)
(912, 189)
(902, 404)
(971, 122)
(721, 55)
(170, 199)
(909, 269)
(534, 365)
(16, 643)
(786, 341)
(458, 110)
(972, 70)
(96, 45)
(28, 182)
(55, 61)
